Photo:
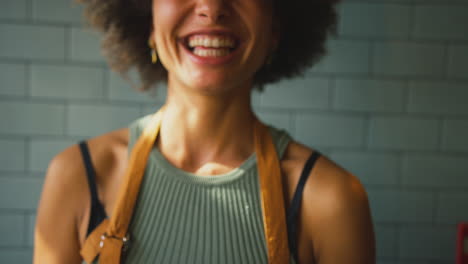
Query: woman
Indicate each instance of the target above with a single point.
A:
(199, 199)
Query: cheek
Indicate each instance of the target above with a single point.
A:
(167, 16)
(163, 12)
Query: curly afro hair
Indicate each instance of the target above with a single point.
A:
(126, 25)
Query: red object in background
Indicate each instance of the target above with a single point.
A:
(462, 244)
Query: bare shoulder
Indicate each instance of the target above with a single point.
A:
(67, 167)
(66, 180)
(327, 180)
(65, 199)
(335, 216)
(109, 155)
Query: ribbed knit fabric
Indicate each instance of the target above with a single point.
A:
(181, 217)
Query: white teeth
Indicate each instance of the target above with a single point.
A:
(211, 42)
(211, 45)
(206, 42)
(211, 52)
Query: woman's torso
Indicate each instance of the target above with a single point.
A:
(185, 218)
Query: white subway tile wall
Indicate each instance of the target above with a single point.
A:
(14, 9)
(389, 103)
(32, 41)
(13, 79)
(386, 238)
(458, 61)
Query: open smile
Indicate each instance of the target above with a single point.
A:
(211, 48)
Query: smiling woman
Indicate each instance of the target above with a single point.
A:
(205, 180)
(302, 26)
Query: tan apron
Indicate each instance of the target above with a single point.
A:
(110, 237)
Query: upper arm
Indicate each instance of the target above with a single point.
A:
(56, 233)
(340, 224)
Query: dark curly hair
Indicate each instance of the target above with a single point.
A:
(126, 25)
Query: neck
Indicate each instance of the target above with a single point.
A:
(199, 130)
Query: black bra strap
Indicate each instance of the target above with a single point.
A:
(293, 210)
(98, 213)
(89, 170)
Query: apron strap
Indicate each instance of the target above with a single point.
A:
(110, 237)
(91, 246)
(272, 196)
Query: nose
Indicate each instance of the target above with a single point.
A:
(213, 11)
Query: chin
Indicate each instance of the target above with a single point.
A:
(212, 88)
(213, 84)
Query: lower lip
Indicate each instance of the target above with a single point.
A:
(211, 60)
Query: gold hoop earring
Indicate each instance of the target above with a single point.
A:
(154, 55)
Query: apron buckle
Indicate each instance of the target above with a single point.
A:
(125, 240)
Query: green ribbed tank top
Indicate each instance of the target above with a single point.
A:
(181, 217)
